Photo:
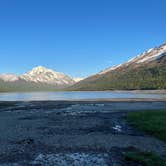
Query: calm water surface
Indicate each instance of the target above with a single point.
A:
(78, 95)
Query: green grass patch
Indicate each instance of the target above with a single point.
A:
(144, 159)
(152, 122)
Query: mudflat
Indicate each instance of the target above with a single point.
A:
(72, 132)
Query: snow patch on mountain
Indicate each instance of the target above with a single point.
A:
(78, 79)
(147, 56)
(41, 74)
(9, 77)
(151, 58)
(110, 69)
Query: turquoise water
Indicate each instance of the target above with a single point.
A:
(79, 95)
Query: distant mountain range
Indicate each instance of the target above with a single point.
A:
(39, 78)
(145, 71)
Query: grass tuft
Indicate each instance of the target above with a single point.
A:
(151, 122)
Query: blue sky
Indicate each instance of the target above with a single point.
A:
(77, 37)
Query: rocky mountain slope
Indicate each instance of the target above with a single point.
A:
(39, 78)
(145, 71)
(43, 75)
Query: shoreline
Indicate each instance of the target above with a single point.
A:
(94, 100)
(160, 91)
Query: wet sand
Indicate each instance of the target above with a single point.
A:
(50, 133)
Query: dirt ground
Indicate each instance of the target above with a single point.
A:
(79, 133)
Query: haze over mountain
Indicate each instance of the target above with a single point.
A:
(39, 78)
(144, 71)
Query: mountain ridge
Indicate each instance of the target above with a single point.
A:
(144, 71)
(41, 74)
(39, 78)
(141, 58)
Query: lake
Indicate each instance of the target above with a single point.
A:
(40, 96)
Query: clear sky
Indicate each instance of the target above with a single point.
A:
(77, 37)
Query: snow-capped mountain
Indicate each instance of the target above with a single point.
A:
(146, 57)
(38, 79)
(43, 75)
(144, 71)
(9, 77)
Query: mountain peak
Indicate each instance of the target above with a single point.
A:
(41, 74)
(41, 69)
